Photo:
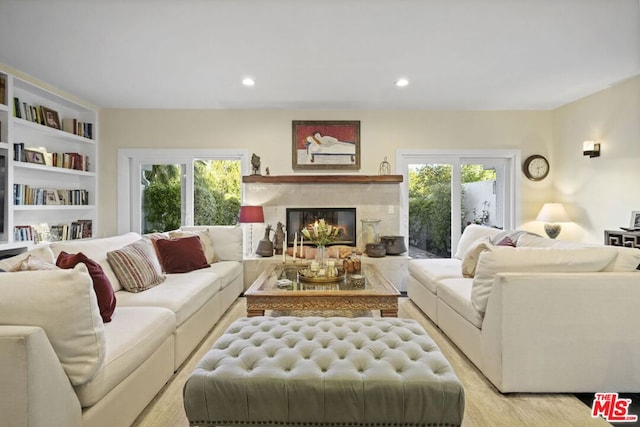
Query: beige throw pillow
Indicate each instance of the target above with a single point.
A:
(471, 256)
(34, 263)
(136, 266)
(43, 253)
(64, 304)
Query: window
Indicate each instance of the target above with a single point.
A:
(444, 191)
(160, 190)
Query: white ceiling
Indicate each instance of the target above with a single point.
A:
(331, 54)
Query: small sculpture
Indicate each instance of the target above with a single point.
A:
(265, 246)
(266, 171)
(278, 239)
(255, 164)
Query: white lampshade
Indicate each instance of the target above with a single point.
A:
(553, 212)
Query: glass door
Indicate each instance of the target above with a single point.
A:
(446, 192)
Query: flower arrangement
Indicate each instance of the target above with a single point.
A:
(321, 233)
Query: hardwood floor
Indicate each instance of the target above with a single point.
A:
(484, 406)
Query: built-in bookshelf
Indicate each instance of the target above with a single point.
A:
(48, 165)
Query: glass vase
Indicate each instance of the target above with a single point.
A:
(321, 256)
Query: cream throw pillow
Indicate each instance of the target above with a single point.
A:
(472, 233)
(205, 241)
(64, 304)
(43, 254)
(471, 256)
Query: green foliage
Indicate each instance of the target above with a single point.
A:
(161, 202)
(217, 192)
(216, 195)
(430, 204)
(475, 173)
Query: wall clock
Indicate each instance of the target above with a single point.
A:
(536, 167)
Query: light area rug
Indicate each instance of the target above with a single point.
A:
(484, 407)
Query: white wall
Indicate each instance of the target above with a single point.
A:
(268, 134)
(601, 192)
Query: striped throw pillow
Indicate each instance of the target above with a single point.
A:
(136, 266)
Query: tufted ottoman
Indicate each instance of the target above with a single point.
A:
(335, 371)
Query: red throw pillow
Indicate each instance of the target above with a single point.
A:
(181, 255)
(101, 284)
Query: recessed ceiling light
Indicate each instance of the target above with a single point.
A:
(248, 81)
(402, 82)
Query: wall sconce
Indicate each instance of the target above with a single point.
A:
(591, 148)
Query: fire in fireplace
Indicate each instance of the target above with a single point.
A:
(344, 218)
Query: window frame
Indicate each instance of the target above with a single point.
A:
(130, 161)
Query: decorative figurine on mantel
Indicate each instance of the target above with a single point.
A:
(278, 239)
(265, 246)
(255, 164)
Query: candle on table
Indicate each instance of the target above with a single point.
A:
(295, 243)
(301, 243)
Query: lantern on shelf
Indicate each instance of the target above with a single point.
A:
(385, 167)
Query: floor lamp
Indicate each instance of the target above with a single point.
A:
(251, 215)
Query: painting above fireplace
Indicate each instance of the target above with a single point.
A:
(344, 218)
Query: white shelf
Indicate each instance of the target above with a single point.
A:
(52, 169)
(53, 207)
(34, 135)
(51, 131)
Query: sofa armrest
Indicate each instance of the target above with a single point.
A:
(35, 389)
(563, 332)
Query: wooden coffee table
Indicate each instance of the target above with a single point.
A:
(376, 294)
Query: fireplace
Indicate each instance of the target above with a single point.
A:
(345, 218)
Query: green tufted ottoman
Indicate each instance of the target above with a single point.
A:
(318, 371)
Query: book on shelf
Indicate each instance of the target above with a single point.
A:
(3, 90)
(77, 127)
(18, 152)
(79, 229)
(23, 233)
(16, 108)
(76, 161)
(25, 195)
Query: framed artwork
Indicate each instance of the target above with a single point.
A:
(33, 156)
(51, 118)
(52, 197)
(635, 220)
(326, 144)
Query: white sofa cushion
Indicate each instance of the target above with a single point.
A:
(429, 271)
(64, 304)
(500, 259)
(132, 336)
(627, 259)
(97, 249)
(226, 239)
(472, 233)
(43, 253)
(456, 293)
(182, 293)
(226, 270)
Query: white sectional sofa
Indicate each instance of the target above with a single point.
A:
(543, 316)
(61, 365)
